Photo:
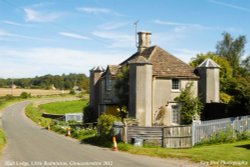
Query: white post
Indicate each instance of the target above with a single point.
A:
(196, 121)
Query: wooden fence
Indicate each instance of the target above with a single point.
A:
(150, 135)
(169, 137)
(205, 129)
(186, 136)
(177, 137)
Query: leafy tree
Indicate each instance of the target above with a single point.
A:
(232, 49)
(190, 105)
(45, 82)
(122, 87)
(246, 64)
(239, 88)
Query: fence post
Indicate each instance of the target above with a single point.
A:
(125, 133)
(194, 136)
(163, 138)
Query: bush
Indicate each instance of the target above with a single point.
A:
(9, 97)
(228, 136)
(72, 92)
(25, 95)
(88, 113)
(105, 124)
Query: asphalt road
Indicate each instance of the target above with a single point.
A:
(31, 145)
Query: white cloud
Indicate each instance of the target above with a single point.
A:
(16, 24)
(6, 34)
(35, 16)
(95, 10)
(117, 39)
(98, 11)
(183, 27)
(112, 25)
(230, 5)
(3, 33)
(174, 23)
(41, 61)
(185, 54)
(73, 35)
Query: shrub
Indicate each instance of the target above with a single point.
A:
(105, 124)
(245, 135)
(88, 113)
(228, 136)
(72, 92)
(9, 97)
(25, 95)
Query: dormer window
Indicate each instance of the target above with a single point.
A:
(175, 84)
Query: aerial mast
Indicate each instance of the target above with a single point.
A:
(135, 23)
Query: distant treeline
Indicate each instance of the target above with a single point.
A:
(63, 82)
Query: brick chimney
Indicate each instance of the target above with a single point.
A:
(144, 39)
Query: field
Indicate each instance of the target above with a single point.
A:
(33, 92)
(75, 106)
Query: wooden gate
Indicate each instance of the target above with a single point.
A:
(177, 137)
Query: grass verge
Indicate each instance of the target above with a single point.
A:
(35, 115)
(75, 106)
(2, 140)
(233, 152)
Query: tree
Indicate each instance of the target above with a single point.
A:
(122, 87)
(190, 105)
(232, 49)
(239, 88)
(246, 64)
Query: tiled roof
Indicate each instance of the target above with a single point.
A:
(97, 68)
(139, 60)
(164, 64)
(114, 69)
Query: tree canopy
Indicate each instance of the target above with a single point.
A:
(48, 81)
(232, 49)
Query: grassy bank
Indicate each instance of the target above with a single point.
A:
(64, 107)
(2, 140)
(213, 154)
(35, 113)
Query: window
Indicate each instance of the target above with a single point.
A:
(175, 84)
(108, 84)
(175, 114)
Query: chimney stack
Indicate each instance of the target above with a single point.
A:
(144, 40)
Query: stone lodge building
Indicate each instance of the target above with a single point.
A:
(156, 77)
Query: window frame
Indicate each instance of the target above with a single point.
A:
(176, 86)
(175, 114)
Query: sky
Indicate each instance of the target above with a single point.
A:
(39, 37)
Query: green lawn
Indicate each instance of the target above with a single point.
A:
(2, 140)
(237, 152)
(64, 107)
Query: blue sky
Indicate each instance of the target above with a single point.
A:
(39, 37)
